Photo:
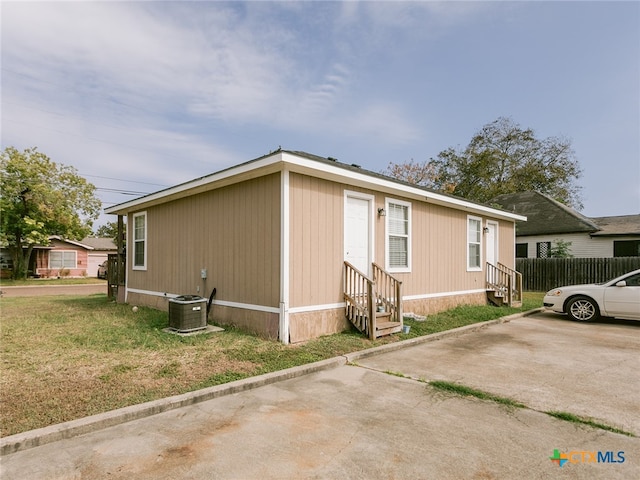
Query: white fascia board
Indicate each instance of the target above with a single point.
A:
(322, 170)
(72, 242)
(307, 166)
(198, 185)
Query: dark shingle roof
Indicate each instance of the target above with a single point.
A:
(544, 214)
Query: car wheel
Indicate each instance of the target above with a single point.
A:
(583, 309)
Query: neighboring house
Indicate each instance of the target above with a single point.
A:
(61, 258)
(101, 247)
(70, 258)
(273, 236)
(549, 221)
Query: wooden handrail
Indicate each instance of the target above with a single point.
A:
(359, 298)
(516, 281)
(363, 294)
(388, 292)
(505, 280)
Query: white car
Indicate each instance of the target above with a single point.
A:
(618, 298)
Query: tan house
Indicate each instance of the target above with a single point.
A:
(297, 245)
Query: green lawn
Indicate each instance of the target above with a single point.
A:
(66, 357)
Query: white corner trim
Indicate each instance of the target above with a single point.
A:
(283, 324)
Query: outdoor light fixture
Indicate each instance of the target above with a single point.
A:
(381, 212)
(485, 229)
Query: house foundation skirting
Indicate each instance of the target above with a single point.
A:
(435, 304)
(313, 324)
(261, 323)
(257, 320)
(154, 301)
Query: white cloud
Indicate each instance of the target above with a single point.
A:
(168, 91)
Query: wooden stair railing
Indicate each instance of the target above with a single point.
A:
(504, 285)
(515, 298)
(388, 291)
(359, 300)
(363, 295)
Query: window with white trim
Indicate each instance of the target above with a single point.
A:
(474, 243)
(140, 241)
(398, 223)
(62, 259)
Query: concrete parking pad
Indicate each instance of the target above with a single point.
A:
(347, 422)
(544, 361)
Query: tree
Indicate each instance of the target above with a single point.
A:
(503, 158)
(561, 249)
(110, 230)
(39, 198)
(416, 173)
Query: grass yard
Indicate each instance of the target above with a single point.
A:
(67, 357)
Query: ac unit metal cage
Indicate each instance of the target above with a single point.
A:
(187, 313)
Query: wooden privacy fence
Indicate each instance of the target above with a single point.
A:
(542, 274)
(116, 271)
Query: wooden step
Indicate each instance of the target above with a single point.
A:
(387, 328)
(496, 299)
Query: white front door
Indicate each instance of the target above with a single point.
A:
(358, 248)
(491, 242)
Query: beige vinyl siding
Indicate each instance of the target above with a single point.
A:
(507, 245)
(439, 252)
(439, 243)
(316, 241)
(232, 232)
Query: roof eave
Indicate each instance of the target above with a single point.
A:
(282, 160)
(362, 179)
(256, 168)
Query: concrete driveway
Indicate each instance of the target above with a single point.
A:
(367, 420)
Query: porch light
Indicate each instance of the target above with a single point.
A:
(381, 212)
(485, 230)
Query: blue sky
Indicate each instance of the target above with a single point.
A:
(142, 95)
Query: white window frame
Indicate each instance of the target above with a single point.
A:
(63, 252)
(388, 235)
(134, 240)
(468, 243)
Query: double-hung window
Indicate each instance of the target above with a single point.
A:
(62, 259)
(474, 238)
(140, 241)
(398, 215)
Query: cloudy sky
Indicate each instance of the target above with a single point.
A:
(142, 95)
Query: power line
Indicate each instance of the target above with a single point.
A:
(123, 180)
(124, 192)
